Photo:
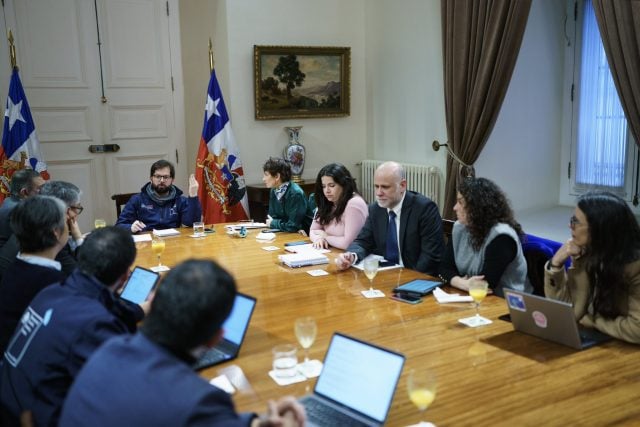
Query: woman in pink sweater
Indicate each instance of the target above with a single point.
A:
(341, 210)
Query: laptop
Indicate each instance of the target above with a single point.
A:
(550, 319)
(356, 385)
(235, 328)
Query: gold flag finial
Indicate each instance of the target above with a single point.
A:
(210, 55)
(12, 51)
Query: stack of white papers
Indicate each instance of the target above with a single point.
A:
(303, 259)
(167, 232)
(442, 297)
(307, 247)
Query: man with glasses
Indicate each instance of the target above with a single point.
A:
(70, 195)
(161, 204)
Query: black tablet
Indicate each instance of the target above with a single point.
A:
(139, 285)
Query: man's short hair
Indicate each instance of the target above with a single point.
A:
(22, 179)
(67, 192)
(107, 253)
(191, 304)
(161, 164)
(35, 220)
(278, 166)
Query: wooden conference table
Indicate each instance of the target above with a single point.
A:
(486, 376)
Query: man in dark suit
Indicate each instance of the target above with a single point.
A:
(24, 183)
(417, 226)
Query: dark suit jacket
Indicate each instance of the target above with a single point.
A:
(421, 238)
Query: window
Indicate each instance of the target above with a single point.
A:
(603, 150)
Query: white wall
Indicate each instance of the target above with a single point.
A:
(404, 81)
(279, 22)
(523, 152)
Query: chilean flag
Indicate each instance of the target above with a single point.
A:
(20, 146)
(222, 191)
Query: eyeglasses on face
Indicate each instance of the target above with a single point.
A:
(162, 177)
(574, 222)
(77, 209)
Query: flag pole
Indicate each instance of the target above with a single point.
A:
(210, 55)
(12, 51)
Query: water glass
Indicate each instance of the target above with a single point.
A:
(285, 360)
(198, 229)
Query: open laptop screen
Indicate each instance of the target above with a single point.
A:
(236, 324)
(360, 376)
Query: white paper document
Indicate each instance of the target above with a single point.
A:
(303, 259)
(167, 232)
(142, 237)
(297, 249)
(442, 297)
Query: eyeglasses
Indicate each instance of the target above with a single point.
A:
(162, 177)
(573, 222)
(77, 209)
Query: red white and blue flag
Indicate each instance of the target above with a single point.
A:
(20, 146)
(222, 191)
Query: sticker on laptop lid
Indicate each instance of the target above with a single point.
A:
(516, 302)
(539, 318)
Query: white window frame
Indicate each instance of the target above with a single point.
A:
(570, 188)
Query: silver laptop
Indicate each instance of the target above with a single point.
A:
(550, 319)
(356, 385)
(235, 328)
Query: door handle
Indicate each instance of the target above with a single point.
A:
(104, 148)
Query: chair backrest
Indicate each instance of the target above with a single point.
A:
(447, 229)
(121, 200)
(537, 251)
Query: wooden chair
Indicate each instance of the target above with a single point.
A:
(121, 200)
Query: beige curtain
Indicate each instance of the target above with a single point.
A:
(481, 41)
(619, 23)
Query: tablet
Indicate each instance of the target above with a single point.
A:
(418, 287)
(139, 285)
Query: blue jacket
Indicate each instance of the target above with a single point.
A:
(64, 324)
(173, 214)
(149, 387)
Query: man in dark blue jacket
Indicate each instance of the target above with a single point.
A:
(160, 204)
(64, 324)
(147, 380)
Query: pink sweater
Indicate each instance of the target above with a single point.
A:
(341, 234)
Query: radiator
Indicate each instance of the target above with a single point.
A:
(420, 178)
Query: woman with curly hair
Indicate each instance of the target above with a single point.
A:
(603, 281)
(341, 210)
(485, 243)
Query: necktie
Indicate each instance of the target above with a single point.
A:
(392, 254)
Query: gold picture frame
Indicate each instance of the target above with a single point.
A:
(301, 82)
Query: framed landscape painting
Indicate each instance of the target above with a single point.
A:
(301, 81)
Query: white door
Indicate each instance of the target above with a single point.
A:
(84, 93)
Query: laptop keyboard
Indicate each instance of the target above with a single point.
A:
(324, 415)
(211, 357)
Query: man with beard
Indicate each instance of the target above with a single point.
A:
(403, 226)
(161, 204)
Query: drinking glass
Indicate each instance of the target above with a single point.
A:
(421, 385)
(306, 330)
(370, 270)
(478, 290)
(157, 247)
(198, 229)
(99, 223)
(285, 360)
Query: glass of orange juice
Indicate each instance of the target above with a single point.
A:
(421, 385)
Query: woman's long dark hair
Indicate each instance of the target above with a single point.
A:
(614, 241)
(486, 205)
(341, 175)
